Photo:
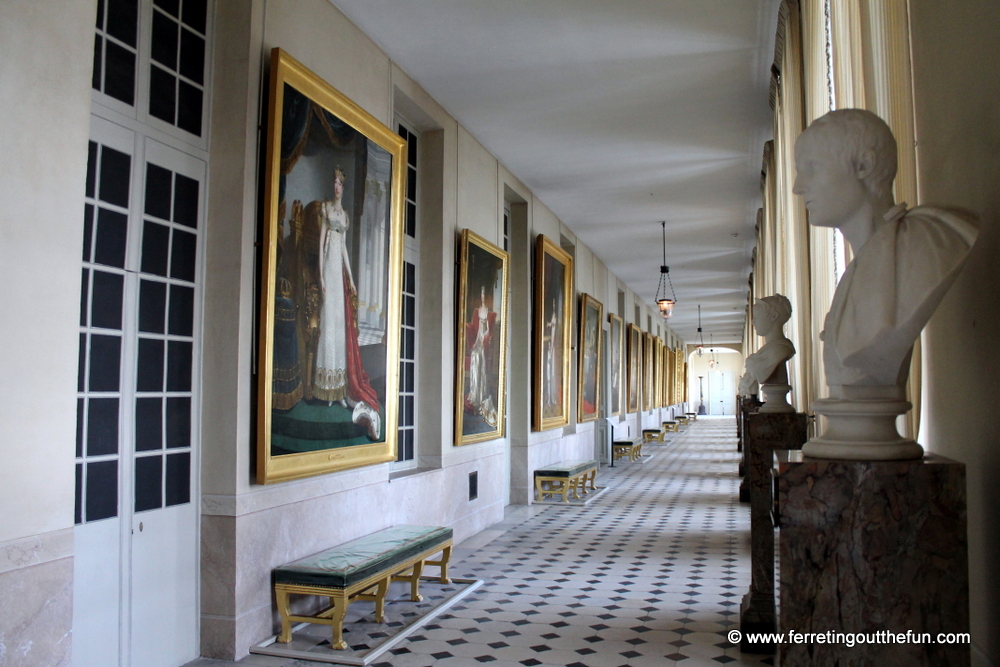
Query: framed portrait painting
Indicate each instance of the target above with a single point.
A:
(616, 363)
(588, 376)
(480, 384)
(553, 322)
(647, 371)
(328, 354)
(634, 366)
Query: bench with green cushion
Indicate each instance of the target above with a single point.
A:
(360, 570)
(631, 449)
(671, 426)
(565, 476)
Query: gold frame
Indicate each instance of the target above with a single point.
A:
(647, 372)
(544, 247)
(588, 304)
(282, 467)
(472, 240)
(615, 321)
(634, 388)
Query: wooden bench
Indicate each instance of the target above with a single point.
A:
(651, 434)
(682, 420)
(564, 477)
(631, 449)
(693, 416)
(361, 569)
(671, 426)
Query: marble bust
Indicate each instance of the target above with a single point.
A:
(904, 262)
(767, 365)
(748, 385)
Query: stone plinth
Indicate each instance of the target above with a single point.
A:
(745, 406)
(873, 547)
(764, 433)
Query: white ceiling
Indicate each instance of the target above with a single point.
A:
(617, 114)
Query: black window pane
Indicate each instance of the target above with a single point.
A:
(411, 150)
(95, 80)
(122, 17)
(149, 365)
(195, 12)
(409, 311)
(158, 191)
(410, 285)
(409, 336)
(411, 219)
(192, 56)
(410, 374)
(78, 509)
(189, 100)
(408, 409)
(155, 248)
(102, 426)
(112, 233)
(178, 422)
(115, 176)
(186, 201)
(91, 169)
(162, 94)
(105, 360)
(181, 310)
(179, 366)
(119, 72)
(84, 293)
(152, 306)
(100, 14)
(88, 230)
(182, 256)
(411, 184)
(178, 479)
(164, 46)
(80, 407)
(102, 490)
(148, 424)
(82, 364)
(148, 483)
(106, 306)
(172, 7)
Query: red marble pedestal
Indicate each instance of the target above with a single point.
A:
(874, 547)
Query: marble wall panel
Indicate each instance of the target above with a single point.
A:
(36, 615)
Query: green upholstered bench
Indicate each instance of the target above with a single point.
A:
(565, 476)
(361, 569)
(693, 416)
(630, 449)
(651, 434)
(671, 426)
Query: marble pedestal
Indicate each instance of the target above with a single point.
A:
(873, 546)
(764, 433)
(745, 406)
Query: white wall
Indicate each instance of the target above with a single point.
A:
(957, 101)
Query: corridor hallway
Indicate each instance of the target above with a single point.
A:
(650, 574)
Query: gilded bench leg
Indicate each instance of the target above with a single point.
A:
(539, 490)
(383, 588)
(339, 611)
(284, 609)
(418, 568)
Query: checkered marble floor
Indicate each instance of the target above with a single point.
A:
(648, 575)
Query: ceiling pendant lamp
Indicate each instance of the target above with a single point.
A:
(701, 337)
(664, 303)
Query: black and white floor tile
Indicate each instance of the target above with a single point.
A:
(651, 574)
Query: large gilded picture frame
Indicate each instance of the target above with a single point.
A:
(647, 372)
(634, 366)
(616, 363)
(590, 345)
(328, 354)
(553, 334)
(481, 368)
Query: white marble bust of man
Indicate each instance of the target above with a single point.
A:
(767, 365)
(904, 261)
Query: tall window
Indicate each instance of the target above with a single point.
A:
(406, 448)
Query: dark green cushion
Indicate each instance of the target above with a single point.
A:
(359, 559)
(625, 443)
(566, 468)
(650, 430)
